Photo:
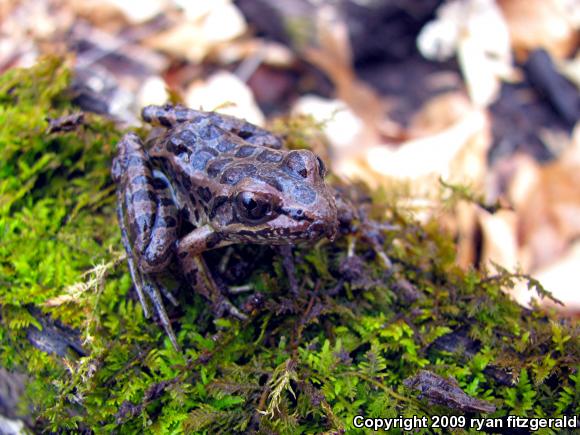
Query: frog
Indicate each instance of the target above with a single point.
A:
(205, 180)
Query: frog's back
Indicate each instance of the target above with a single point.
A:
(206, 152)
(201, 149)
(211, 165)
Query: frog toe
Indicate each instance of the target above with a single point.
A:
(155, 296)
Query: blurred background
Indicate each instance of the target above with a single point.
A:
(420, 98)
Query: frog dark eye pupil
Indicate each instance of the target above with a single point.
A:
(251, 204)
(253, 208)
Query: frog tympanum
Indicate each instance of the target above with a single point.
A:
(224, 180)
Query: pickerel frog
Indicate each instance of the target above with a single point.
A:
(207, 181)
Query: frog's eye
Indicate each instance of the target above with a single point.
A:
(254, 207)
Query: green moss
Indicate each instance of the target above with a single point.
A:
(301, 364)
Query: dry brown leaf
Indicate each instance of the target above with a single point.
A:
(547, 200)
(25, 26)
(355, 120)
(562, 278)
(135, 11)
(550, 212)
(345, 131)
(476, 31)
(519, 173)
(452, 141)
(545, 224)
(152, 91)
(438, 114)
(269, 52)
(201, 31)
(499, 235)
(333, 56)
(107, 16)
(549, 24)
(464, 226)
(456, 154)
(225, 93)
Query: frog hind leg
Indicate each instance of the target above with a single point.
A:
(145, 285)
(135, 274)
(158, 253)
(169, 116)
(148, 220)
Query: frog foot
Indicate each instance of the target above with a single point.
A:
(154, 290)
(199, 277)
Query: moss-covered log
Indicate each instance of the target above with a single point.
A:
(343, 347)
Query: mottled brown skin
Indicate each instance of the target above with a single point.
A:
(231, 180)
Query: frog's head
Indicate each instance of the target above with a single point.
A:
(281, 202)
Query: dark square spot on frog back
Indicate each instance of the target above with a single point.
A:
(209, 132)
(270, 156)
(226, 145)
(187, 136)
(303, 194)
(204, 194)
(215, 168)
(200, 159)
(235, 174)
(245, 151)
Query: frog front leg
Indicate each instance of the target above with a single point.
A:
(196, 272)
